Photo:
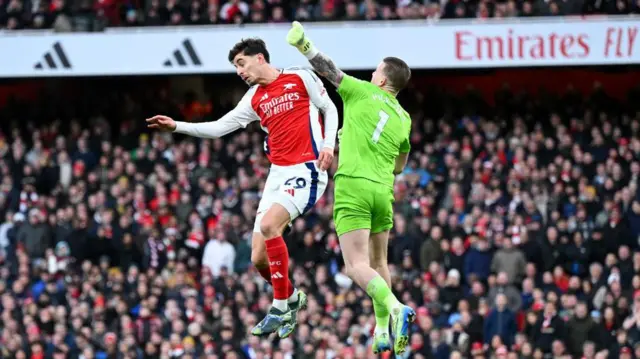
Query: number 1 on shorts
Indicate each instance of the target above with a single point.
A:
(381, 123)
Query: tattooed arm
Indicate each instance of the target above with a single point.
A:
(320, 62)
(326, 68)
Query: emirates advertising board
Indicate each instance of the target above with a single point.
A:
(353, 46)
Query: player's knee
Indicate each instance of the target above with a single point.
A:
(353, 266)
(269, 228)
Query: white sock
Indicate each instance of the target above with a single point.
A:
(281, 304)
(294, 296)
(380, 330)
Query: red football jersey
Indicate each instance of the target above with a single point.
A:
(289, 112)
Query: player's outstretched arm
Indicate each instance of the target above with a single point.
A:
(320, 62)
(235, 119)
(215, 129)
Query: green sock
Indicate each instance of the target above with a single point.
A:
(380, 292)
(382, 316)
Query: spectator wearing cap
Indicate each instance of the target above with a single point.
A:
(501, 322)
(477, 350)
(451, 293)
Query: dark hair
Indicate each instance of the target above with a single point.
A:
(249, 47)
(397, 72)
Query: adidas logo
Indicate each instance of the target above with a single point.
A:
(180, 53)
(54, 59)
(277, 275)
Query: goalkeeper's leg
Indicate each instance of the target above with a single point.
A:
(353, 212)
(355, 250)
(378, 246)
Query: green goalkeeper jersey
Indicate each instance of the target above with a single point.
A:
(375, 130)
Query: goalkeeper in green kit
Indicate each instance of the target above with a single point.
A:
(374, 146)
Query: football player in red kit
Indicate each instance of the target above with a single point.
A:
(288, 104)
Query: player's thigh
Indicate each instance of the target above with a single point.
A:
(353, 204)
(378, 248)
(355, 247)
(382, 217)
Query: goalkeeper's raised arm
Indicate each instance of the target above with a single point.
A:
(320, 62)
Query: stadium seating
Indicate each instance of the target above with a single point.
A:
(516, 231)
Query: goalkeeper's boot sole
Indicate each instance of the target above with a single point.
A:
(401, 323)
(288, 328)
(275, 319)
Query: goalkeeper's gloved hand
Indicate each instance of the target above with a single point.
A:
(296, 38)
(339, 135)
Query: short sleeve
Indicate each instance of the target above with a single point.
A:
(351, 88)
(405, 146)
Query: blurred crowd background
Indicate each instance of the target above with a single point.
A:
(516, 231)
(96, 15)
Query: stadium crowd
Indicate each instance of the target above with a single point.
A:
(89, 15)
(516, 233)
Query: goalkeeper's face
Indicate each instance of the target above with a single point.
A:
(249, 68)
(378, 77)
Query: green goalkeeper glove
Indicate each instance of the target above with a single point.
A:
(296, 38)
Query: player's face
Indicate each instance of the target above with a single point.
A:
(248, 67)
(378, 78)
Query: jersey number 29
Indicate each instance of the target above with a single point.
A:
(384, 117)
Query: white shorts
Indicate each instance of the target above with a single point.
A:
(297, 188)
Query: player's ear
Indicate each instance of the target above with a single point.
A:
(383, 81)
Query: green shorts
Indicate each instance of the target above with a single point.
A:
(362, 204)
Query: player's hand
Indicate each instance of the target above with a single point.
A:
(162, 123)
(296, 38)
(325, 159)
